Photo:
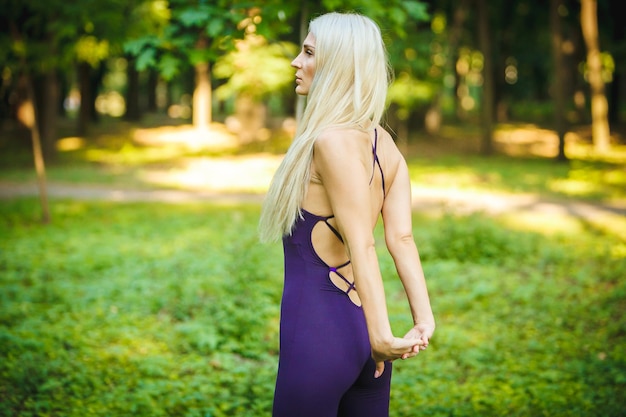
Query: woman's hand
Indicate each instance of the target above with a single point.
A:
(415, 340)
(394, 349)
(422, 332)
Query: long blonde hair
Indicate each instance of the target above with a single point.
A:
(349, 89)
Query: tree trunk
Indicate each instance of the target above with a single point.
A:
(63, 92)
(202, 97)
(46, 98)
(558, 78)
(153, 82)
(89, 82)
(95, 80)
(86, 97)
(27, 114)
(619, 55)
(454, 36)
(487, 105)
(599, 106)
(252, 115)
(433, 117)
(133, 111)
(578, 85)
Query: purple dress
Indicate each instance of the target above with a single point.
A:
(325, 365)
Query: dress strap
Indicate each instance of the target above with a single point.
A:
(333, 229)
(376, 161)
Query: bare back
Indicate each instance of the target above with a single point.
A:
(369, 166)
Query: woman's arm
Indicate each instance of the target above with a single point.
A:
(397, 218)
(342, 163)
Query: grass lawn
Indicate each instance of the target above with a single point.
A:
(154, 309)
(160, 310)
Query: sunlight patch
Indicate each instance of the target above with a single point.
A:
(216, 137)
(573, 187)
(547, 223)
(238, 174)
(72, 143)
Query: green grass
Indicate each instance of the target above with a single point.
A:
(172, 310)
(143, 310)
(582, 178)
(150, 309)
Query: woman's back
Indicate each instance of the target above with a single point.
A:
(377, 155)
(378, 159)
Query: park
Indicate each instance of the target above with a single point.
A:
(132, 279)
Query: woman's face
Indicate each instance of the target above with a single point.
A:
(305, 65)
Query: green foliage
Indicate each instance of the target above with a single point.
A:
(159, 310)
(409, 93)
(515, 319)
(394, 14)
(193, 32)
(478, 240)
(255, 68)
(56, 33)
(92, 51)
(416, 10)
(128, 316)
(144, 49)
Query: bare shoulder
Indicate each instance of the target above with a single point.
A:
(339, 140)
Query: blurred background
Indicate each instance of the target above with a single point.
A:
(524, 76)
(138, 137)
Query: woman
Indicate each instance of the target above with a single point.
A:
(340, 174)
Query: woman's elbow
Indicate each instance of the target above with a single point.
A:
(397, 242)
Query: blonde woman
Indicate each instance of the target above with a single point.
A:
(340, 174)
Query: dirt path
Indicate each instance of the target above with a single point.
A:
(424, 199)
(529, 211)
(105, 193)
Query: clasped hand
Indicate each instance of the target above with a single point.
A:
(407, 347)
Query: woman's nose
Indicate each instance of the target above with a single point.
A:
(295, 63)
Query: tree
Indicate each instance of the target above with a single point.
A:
(558, 81)
(196, 34)
(458, 16)
(40, 40)
(487, 105)
(253, 72)
(417, 77)
(599, 104)
(617, 49)
(149, 17)
(101, 28)
(32, 50)
(56, 37)
(27, 114)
